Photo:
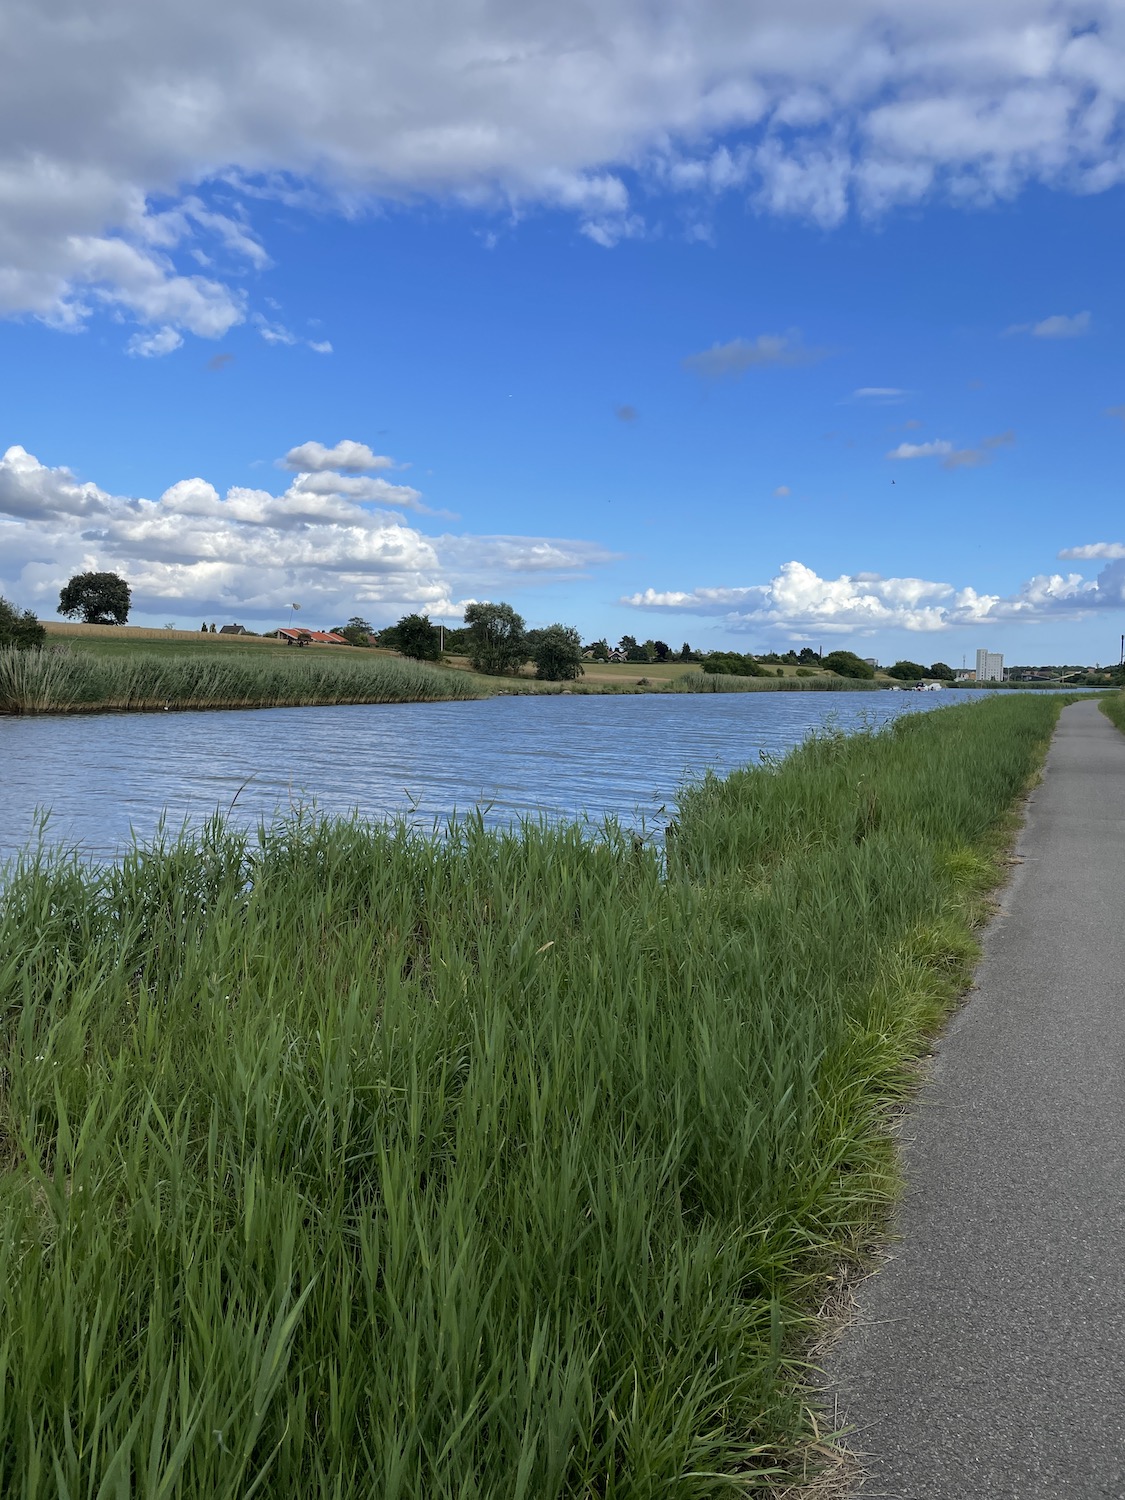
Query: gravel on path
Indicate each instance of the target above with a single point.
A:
(988, 1355)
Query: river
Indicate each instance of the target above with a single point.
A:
(103, 778)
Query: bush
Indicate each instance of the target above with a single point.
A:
(19, 628)
(731, 664)
(848, 664)
(907, 671)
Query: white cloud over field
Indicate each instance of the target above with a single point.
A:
(120, 119)
(329, 540)
(797, 599)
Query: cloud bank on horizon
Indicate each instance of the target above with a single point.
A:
(329, 539)
(332, 539)
(127, 185)
(797, 599)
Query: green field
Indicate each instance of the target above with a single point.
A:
(342, 1160)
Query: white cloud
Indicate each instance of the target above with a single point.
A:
(1058, 326)
(348, 455)
(125, 160)
(151, 345)
(328, 538)
(935, 449)
(955, 458)
(320, 346)
(274, 333)
(797, 598)
(740, 355)
(879, 393)
(782, 492)
(1112, 551)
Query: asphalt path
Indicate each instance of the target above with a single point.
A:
(988, 1356)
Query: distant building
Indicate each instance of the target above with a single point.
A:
(990, 666)
(872, 661)
(233, 630)
(310, 637)
(965, 674)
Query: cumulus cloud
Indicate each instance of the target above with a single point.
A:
(329, 538)
(1058, 326)
(126, 161)
(740, 355)
(347, 455)
(797, 598)
(1109, 550)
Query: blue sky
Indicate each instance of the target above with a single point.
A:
(715, 333)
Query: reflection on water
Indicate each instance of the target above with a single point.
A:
(101, 776)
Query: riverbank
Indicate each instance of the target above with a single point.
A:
(60, 681)
(358, 1161)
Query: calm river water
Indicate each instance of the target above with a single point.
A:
(103, 778)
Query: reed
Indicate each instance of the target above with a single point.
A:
(61, 681)
(349, 1160)
(704, 682)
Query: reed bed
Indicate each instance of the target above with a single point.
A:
(707, 682)
(347, 1160)
(54, 681)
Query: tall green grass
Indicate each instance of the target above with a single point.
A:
(1113, 706)
(345, 1161)
(54, 681)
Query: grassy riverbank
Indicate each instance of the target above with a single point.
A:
(340, 1161)
(139, 679)
(50, 681)
(1113, 706)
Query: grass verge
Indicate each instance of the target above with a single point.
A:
(343, 1160)
(1113, 706)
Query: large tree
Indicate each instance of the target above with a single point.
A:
(19, 628)
(417, 636)
(558, 654)
(496, 638)
(100, 599)
(357, 632)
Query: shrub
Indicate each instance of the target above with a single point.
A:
(19, 628)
